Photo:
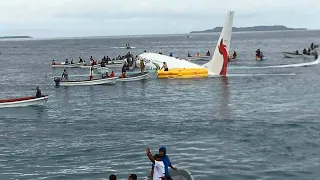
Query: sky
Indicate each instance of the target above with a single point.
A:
(80, 18)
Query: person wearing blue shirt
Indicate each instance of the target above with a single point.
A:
(166, 161)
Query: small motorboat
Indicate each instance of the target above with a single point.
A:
(134, 77)
(291, 55)
(23, 101)
(181, 174)
(92, 82)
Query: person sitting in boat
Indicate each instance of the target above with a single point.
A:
(94, 63)
(297, 52)
(234, 55)
(104, 76)
(53, 62)
(189, 55)
(316, 55)
(123, 75)
(38, 94)
(258, 53)
(64, 76)
(208, 53)
(103, 64)
(165, 67)
(112, 74)
(66, 62)
(308, 51)
(112, 177)
(145, 51)
(304, 51)
(312, 46)
(160, 52)
(72, 61)
(80, 60)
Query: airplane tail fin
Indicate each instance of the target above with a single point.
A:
(219, 62)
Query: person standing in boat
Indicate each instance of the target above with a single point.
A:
(165, 67)
(165, 159)
(304, 51)
(64, 76)
(158, 167)
(308, 51)
(142, 66)
(38, 94)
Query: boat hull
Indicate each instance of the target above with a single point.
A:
(290, 55)
(23, 102)
(136, 77)
(308, 56)
(181, 174)
(88, 82)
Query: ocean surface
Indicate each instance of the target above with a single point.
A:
(239, 127)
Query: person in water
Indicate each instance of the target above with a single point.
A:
(142, 66)
(234, 55)
(165, 67)
(258, 53)
(189, 55)
(112, 177)
(64, 76)
(38, 94)
(165, 159)
(158, 166)
(112, 74)
(132, 177)
(208, 53)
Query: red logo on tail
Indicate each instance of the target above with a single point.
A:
(223, 51)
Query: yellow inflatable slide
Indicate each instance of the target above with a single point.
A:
(183, 73)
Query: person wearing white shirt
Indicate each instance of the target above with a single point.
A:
(158, 171)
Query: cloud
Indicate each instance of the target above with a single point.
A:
(149, 16)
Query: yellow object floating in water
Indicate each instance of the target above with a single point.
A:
(183, 73)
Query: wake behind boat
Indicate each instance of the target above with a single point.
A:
(23, 101)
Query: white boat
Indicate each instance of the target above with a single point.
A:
(63, 65)
(134, 77)
(291, 55)
(306, 56)
(23, 101)
(181, 174)
(112, 80)
(218, 63)
(102, 81)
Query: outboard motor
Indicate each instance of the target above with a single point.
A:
(57, 81)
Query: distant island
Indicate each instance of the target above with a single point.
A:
(14, 37)
(254, 28)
